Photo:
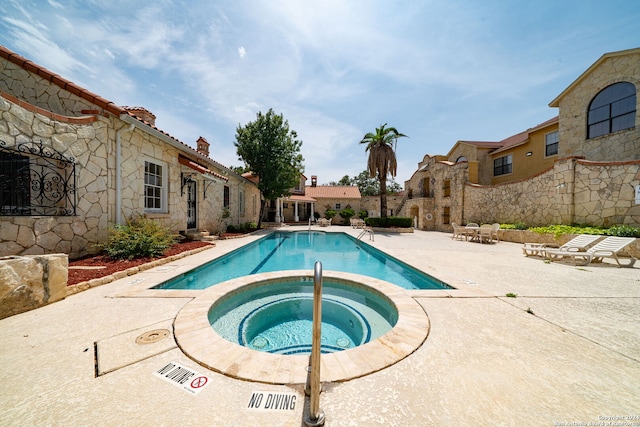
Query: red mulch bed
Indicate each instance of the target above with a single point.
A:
(113, 265)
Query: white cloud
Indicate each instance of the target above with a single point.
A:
(242, 52)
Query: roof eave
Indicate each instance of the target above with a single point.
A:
(556, 102)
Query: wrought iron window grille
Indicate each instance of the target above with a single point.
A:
(36, 180)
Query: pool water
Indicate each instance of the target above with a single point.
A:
(278, 317)
(299, 250)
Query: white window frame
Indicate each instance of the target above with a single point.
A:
(546, 143)
(164, 186)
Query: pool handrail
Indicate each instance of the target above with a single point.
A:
(316, 416)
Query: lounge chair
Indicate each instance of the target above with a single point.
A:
(579, 243)
(609, 247)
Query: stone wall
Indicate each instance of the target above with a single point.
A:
(573, 191)
(372, 204)
(28, 282)
(87, 145)
(90, 141)
(40, 92)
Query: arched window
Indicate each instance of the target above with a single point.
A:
(613, 109)
(461, 159)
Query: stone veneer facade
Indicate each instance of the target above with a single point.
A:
(35, 108)
(573, 103)
(594, 181)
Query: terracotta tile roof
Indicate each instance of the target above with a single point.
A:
(482, 144)
(301, 198)
(59, 81)
(333, 192)
(523, 137)
(198, 167)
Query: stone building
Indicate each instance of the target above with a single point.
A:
(74, 163)
(582, 166)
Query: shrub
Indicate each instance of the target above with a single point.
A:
(139, 237)
(559, 229)
(347, 213)
(623, 231)
(242, 228)
(330, 213)
(363, 214)
(392, 221)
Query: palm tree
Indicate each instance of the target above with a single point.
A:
(382, 158)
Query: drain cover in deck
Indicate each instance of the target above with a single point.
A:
(152, 336)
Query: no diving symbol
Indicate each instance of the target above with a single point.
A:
(199, 382)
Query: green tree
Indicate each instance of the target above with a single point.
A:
(382, 158)
(345, 180)
(368, 186)
(393, 187)
(272, 152)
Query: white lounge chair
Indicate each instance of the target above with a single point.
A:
(609, 247)
(579, 243)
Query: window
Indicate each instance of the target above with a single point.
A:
(226, 201)
(446, 188)
(241, 202)
(551, 144)
(155, 186)
(613, 109)
(502, 165)
(15, 188)
(426, 190)
(36, 180)
(338, 206)
(461, 159)
(255, 204)
(445, 214)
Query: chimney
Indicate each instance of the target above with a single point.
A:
(314, 180)
(143, 114)
(203, 146)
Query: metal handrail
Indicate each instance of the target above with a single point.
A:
(316, 416)
(365, 231)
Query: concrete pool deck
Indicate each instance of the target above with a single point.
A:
(565, 350)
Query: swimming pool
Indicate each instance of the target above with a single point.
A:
(299, 250)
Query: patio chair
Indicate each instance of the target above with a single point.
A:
(472, 230)
(485, 235)
(609, 247)
(579, 243)
(458, 232)
(494, 234)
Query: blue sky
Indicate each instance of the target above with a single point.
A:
(438, 71)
